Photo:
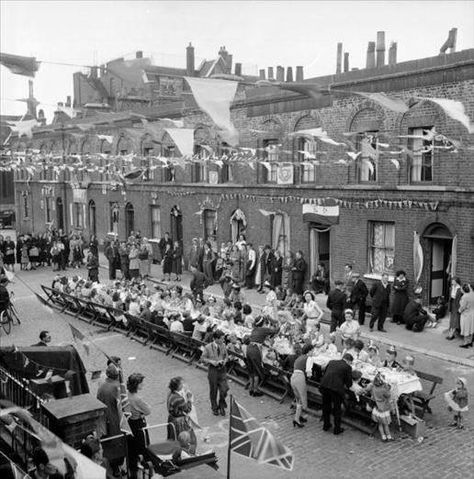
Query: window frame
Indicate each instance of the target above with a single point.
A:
(361, 166)
(78, 215)
(155, 223)
(372, 247)
(420, 157)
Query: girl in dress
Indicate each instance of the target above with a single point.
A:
(457, 400)
(381, 413)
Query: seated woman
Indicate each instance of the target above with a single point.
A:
(361, 354)
(314, 336)
(185, 450)
(349, 328)
(320, 280)
(329, 347)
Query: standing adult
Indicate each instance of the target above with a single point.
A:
(286, 277)
(400, 296)
(348, 279)
(166, 240)
(251, 266)
(124, 260)
(336, 302)
(198, 283)
(298, 385)
(207, 263)
(92, 267)
(134, 261)
(194, 258)
(109, 394)
(455, 294)
(110, 253)
(167, 262)
(380, 293)
(9, 253)
(276, 269)
(144, 254)
(336, 379)
(139, 409)
(260, 269)
(215, 356)
(94, 245)
(177, 261)
(254, 360)
(312, 311)
(179, 406)
(298, 273)
(359, 295)
(466, 309)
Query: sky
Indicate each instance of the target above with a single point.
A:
(259, 34)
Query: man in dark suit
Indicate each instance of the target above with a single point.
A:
(336, 379)
(198, 282)
(336, 302)
(359, 295)
(380, 293)
(45, 339)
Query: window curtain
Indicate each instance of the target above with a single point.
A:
(277, 230)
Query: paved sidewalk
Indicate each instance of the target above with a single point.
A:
(431, 342)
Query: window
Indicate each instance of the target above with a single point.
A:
(114, 217)
(210, 224)
(155, 221)
(367, 161)
(421, 167)
(308, 173)
(381, 247)
(281, 232)
(200, 171)
(271, 149)
(78, 217)
(226, 172)
(48, 201)
(25, 206)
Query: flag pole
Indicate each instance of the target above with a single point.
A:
(228, 445)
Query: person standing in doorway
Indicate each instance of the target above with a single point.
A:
(215, 356)
(380, 293)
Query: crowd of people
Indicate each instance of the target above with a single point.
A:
(284, 335)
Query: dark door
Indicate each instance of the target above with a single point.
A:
(60, 213)
(176, 222)
(129, 220)
(440, 254)
(92, 218)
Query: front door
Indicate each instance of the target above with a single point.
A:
(440, 254)
(60, 214)
(176, 225)
(319, 248)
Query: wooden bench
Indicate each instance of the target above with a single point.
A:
(422, 399)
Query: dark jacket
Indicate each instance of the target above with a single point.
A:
(336, 300)
(109, 394)
(198, 282)
(359, 292)
(412, 312)
(380, 295)
(337, 377)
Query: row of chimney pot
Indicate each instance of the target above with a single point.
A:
(280, 74)
(375, 55)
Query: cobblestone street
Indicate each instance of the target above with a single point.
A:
(444, 453)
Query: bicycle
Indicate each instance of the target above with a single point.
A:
(8, 316)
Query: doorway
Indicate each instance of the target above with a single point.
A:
(60, 214)
(92, 218)
(440, 244)
(129, 220)
(176, 225)
(319, 247)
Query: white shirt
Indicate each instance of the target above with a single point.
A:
(176, 327)
(252, 256)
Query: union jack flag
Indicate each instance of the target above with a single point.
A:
(249, 438)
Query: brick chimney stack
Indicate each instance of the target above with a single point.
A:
(370, 55)
(238, 69)
(190, 60)
(380, 60)
(392, 54)
(262, 74)
(280, 73)
(289, 74)
(31, 102)
(346, 62)
(139, 54)
(68, 101)
(270, 73)
(339, 58)
(299, 74)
